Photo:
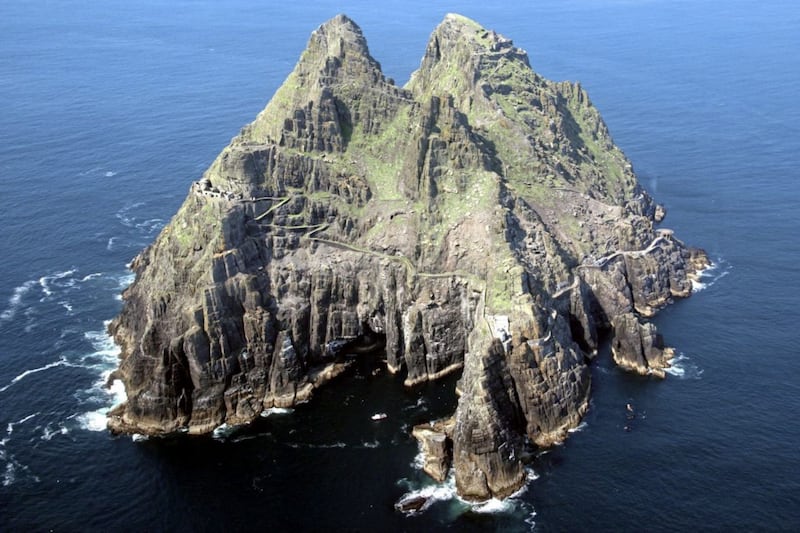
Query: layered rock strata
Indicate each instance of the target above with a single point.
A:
(478, 220)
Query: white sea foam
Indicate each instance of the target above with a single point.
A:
(420, 403)
(110, 244)
(138, 437)
(125, 280)
(102, 342)
(46, 282)
(710, 275)
(373, 444)
(105, 350)
(9, 476)
(530, 519)
(91, 171)
(583, 425)
(31, 315)
(16, 300)
(419, 460)
(439, 492)
(102, 360)
(223, 431)
(110, 174)
(682, 367)
(66, 305)
(150, 226)
(146, 227)
(493, 506)
(99, 393)
(93, 420)
(276, 411)
(23, 375)
(446, 492)
(87, 277)
(117, 392)
(13, 467)
(48, 432)
(123, 214)
(11, 425)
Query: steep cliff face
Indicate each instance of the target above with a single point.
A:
(478, 220)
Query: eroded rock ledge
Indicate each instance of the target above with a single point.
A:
(478, 220)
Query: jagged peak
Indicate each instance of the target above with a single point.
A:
(458, 18)
(460, 30)
(339, 37)
(337, 54)
(458, 50)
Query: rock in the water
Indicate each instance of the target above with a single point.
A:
(411, 503)
(436, 443)
(638, 347)
(478, 220)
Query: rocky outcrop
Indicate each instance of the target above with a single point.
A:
(436, 444)
(479, 220)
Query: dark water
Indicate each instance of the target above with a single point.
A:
(110, 109)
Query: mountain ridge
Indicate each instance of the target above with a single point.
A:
(479, 219)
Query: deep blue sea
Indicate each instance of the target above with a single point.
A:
(110, 109)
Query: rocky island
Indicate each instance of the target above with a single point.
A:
(479, 220)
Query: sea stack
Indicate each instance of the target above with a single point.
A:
(479, 220)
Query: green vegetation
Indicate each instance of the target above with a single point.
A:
(541, 137)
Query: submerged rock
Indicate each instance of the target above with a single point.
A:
(478, 220)
(411, 503)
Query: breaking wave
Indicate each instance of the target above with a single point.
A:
(428, 495)
(101, 394)
(48, 432)
(61, 362)
(45, 282)
(580, 427)
(682, 367)
(81, 354)
(57, 288)
(16, 299)
(223, 431)
(709, 276)
(146, 226)
(14, 467)
(11, 425)
(276, 411)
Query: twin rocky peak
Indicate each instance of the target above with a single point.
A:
(479, 220)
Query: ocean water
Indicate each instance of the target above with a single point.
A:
(110, 110)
